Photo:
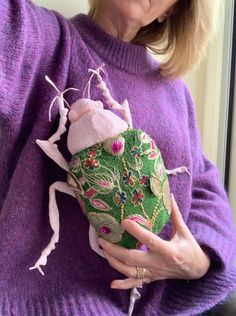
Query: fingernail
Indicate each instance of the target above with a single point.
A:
(127, 222)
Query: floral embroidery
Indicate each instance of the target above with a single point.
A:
(153, 154)
(136, 152)
(144, 180)
(115, 145)
(90, 193)
(100, 205)
(103, 182)
(128, 178)
(106, 226)
(140, 219)
(94, 151)
(159, 169)
(114, 178)
(120, 198)
(91, 164)
(155, 186)
(144, 138)
(137, 197)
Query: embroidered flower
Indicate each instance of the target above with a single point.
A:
(92, 154)
(91, 164)
(136, 152)
(128, 178)
(106, 226)
(143, 180)
(120, 198)
(94, 151)
(137, 197)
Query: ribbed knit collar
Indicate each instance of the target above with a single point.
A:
(130, 57)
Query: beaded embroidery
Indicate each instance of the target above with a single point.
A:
(123, 177)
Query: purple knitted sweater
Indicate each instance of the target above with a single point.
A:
(35, 42)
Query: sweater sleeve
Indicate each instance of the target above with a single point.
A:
(34, 42)
(29, 42)
(210, 218)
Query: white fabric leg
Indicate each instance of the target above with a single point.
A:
(62, 123)
(134, 296)
(54, 222)
(93, 241)
(51, 150)
(175, 171)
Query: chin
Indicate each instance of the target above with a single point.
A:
(134, 10)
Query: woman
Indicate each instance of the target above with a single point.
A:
(189, 266)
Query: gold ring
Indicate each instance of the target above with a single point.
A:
(141, 271)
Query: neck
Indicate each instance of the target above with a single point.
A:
(116, 26)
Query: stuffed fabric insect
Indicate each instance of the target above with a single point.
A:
(116, 172)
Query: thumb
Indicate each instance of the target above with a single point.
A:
(177, 219)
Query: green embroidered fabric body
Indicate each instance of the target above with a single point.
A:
(123, 177)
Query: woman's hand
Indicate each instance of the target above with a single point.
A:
(179, 258)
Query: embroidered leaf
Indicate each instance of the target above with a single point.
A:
(145, 138)
(90, 193)
(148, 151)
(102, 182)
(137, 166)
(139, 219)
(117, 174)
(100, 205)
(166, 196)
(159, 170)
(155, 186)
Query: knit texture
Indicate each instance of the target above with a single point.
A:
(35, 42)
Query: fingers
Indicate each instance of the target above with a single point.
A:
(130, 257)
(128, 283)
(129, 271)
(152, 241)
(178, 223)
(176, 216)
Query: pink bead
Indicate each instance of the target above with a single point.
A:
(117, 146)
(105, 230)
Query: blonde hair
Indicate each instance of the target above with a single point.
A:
(182, 37)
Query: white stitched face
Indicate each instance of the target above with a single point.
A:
(143, 12)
